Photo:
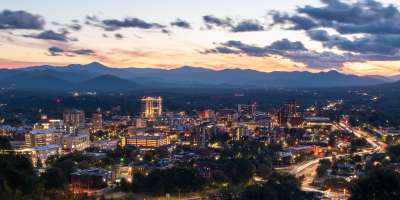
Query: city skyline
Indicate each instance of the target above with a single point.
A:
(354, 37)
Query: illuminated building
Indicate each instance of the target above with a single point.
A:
(317, 123)
(147, 141)
(76, 141)
(90, 181)
(74, 119)
(207, 115)
(42, 137)
(41, 153)
(151, 107)
(105, 144)
(97, 121)
(313, 149)
(124, 172)
(263, 120)
(295, 122)
(46, 123)
(287, 111)
(7, 130)
(139, 123)
(246, 111)
(203, 133)
(50, 124)
(36, 154)
(240, 132)
(226, 116)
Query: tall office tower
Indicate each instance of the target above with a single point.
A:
(202, 133)
(287, 111)
(151, 107)
(240, 132)
(74, 119)
(97, 121)
(291, 107)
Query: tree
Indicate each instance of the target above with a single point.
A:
(5, 143)
(323, 167)
(54, 178)
(380, 184)
(394, 152)
(125, 185)
(280, 186)
(16, 172)
(169, 180)
(238, 170)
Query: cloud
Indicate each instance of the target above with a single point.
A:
(119, 36)
(20, 20)
(287, 45)
(294, 22)
(57, 51)
(91, 20)
(369, 44)
(166, 31)
(296, 52)
(74, 26)
(246, 25)
(83, 51)
(363, 29)
(181, 23)
(114, 24)
(211, 20)
(52, 35)
(362, 16)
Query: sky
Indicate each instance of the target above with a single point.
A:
(359, 37)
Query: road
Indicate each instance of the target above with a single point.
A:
(307, 169)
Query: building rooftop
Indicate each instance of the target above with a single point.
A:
(91, 172)
(47, 147)
(317, 119)
(42, 131)
(147, 137)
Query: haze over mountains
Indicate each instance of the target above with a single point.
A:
(95, 76)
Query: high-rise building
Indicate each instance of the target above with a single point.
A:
(240, 132)
(97, 121)
(287, 111)
(74, 119)
(202, 134)
(151, 107)
(47, 123)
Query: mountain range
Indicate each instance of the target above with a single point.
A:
(95, 76)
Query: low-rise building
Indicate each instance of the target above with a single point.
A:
(42, 153)
(147, 141)
(90, 181)
(7, 130)
(76, 141)
(43, 137)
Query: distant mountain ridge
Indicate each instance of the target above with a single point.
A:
(96, 76)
